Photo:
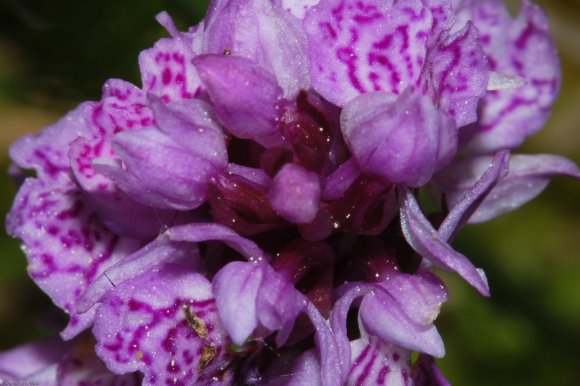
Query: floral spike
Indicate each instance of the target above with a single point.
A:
(223, 223)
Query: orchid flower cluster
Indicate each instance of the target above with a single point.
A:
(251, 214)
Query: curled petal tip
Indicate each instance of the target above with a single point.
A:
(166, 21)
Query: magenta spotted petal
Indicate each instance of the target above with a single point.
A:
(458, 75)
(163, 324)
(121, 109)
(522, 47)
(402, 138)
(166, 68)
(58, 363)
(363, 46)
(443, 16)
(66, 244)
(377, 363)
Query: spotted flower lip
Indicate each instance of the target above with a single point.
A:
(360, 40)
(166, 327)
(252, 213)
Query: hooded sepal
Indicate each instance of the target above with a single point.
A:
(404, 139)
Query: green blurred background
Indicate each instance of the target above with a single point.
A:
(54, 54)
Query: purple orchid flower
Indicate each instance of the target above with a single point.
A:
(221, 224)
